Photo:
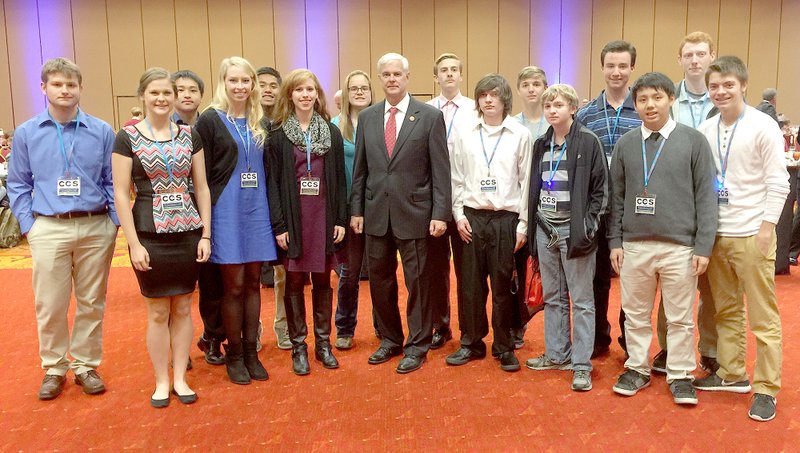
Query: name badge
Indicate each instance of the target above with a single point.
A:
(722, 196)
(171, 201)
(68, 187)
(249, 180)
(309, 185)
(488, 185)
(547, 202)
(645, 204)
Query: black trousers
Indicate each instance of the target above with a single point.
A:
(382, 251)
(211, 292)
(602, 286)
(490, 255)
(439, 257)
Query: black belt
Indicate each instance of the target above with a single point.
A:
(78, 214)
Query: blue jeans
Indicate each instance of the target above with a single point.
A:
(563, 278)
(349, 278)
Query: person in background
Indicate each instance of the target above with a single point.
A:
(136, 116)
(168, 229)
(769, 101)
(358, 88)
(191, 90)
(308, 205)
(59, 184)
(337, 101)
(269, 80)
(235, 151)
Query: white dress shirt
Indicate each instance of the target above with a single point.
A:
(459, 113)
(402, 109)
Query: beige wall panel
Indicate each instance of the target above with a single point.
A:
(450, 33)
(158, 30)
(670, 28)
(55, 29)
(418, 45)
(385, 35)
(638, 30)
(482, 41)
(290, 35)
(765, 27)
(703, 16)
(191, 30)
(545, 42)
(127, 49)
(24, 58)
(323, 45)
(734, 28)
(514, 42)
(224, 31)
(607, 16)
(789, 63)
(576, 45)
(353, 47)
(6, 108)
(258, 32)
(92, 54)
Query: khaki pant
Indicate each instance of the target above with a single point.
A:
(69, 253)
(646, 265)
(734, 262)
(706, 326)
(279, 285)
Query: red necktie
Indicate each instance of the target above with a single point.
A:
(390, 131)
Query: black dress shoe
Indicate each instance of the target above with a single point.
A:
(211, 347)
(52, 386)
(325, 355)
(185, 399)
(462, 356)
(410, 363)
(440, 338)
(300, 365)
(509, 362)
(383, 355)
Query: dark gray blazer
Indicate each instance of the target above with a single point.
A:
(410, 188)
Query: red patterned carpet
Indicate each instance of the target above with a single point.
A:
(360, 407)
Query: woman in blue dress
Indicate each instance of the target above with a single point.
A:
(242, 238)
(309, 209)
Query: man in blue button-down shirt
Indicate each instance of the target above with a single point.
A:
(60, 188)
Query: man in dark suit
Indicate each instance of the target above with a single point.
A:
(401, 196)
(769, 99)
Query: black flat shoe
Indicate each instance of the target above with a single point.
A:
(159, 404)
(185, 399)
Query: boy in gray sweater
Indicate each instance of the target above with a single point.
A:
(662, 228)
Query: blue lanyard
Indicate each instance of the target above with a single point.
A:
(494, 151)
(554, 169)
(612, 132)
(245, 139)
(723, 164)
(695, 122)
(538, 128)
(168, 160)
(307, 136)
(61, 147)
(450, 127)
(648, 174)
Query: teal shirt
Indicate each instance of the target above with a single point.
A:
(349, 156)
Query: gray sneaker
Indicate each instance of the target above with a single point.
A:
(763, 407)
(258, 336)
(582, 380)
(714, 383)
(282, 334)
(683, 392)
(543, 363)
(630, 382)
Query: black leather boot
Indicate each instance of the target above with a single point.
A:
(296, 324)
(254, 367)
(322, 304)
(234, 363)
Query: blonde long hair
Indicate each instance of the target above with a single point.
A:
(285, 107)
(253, 111)
(345, 122)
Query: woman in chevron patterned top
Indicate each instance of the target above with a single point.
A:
(169, 227)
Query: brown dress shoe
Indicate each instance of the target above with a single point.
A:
(52, 386)
(91, 382)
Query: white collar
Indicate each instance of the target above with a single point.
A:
(401, 106)
(665, 130)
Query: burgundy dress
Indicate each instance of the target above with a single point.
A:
(312, 219)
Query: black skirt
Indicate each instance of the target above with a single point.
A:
(173, 262)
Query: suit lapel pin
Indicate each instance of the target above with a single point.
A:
(412, 118)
